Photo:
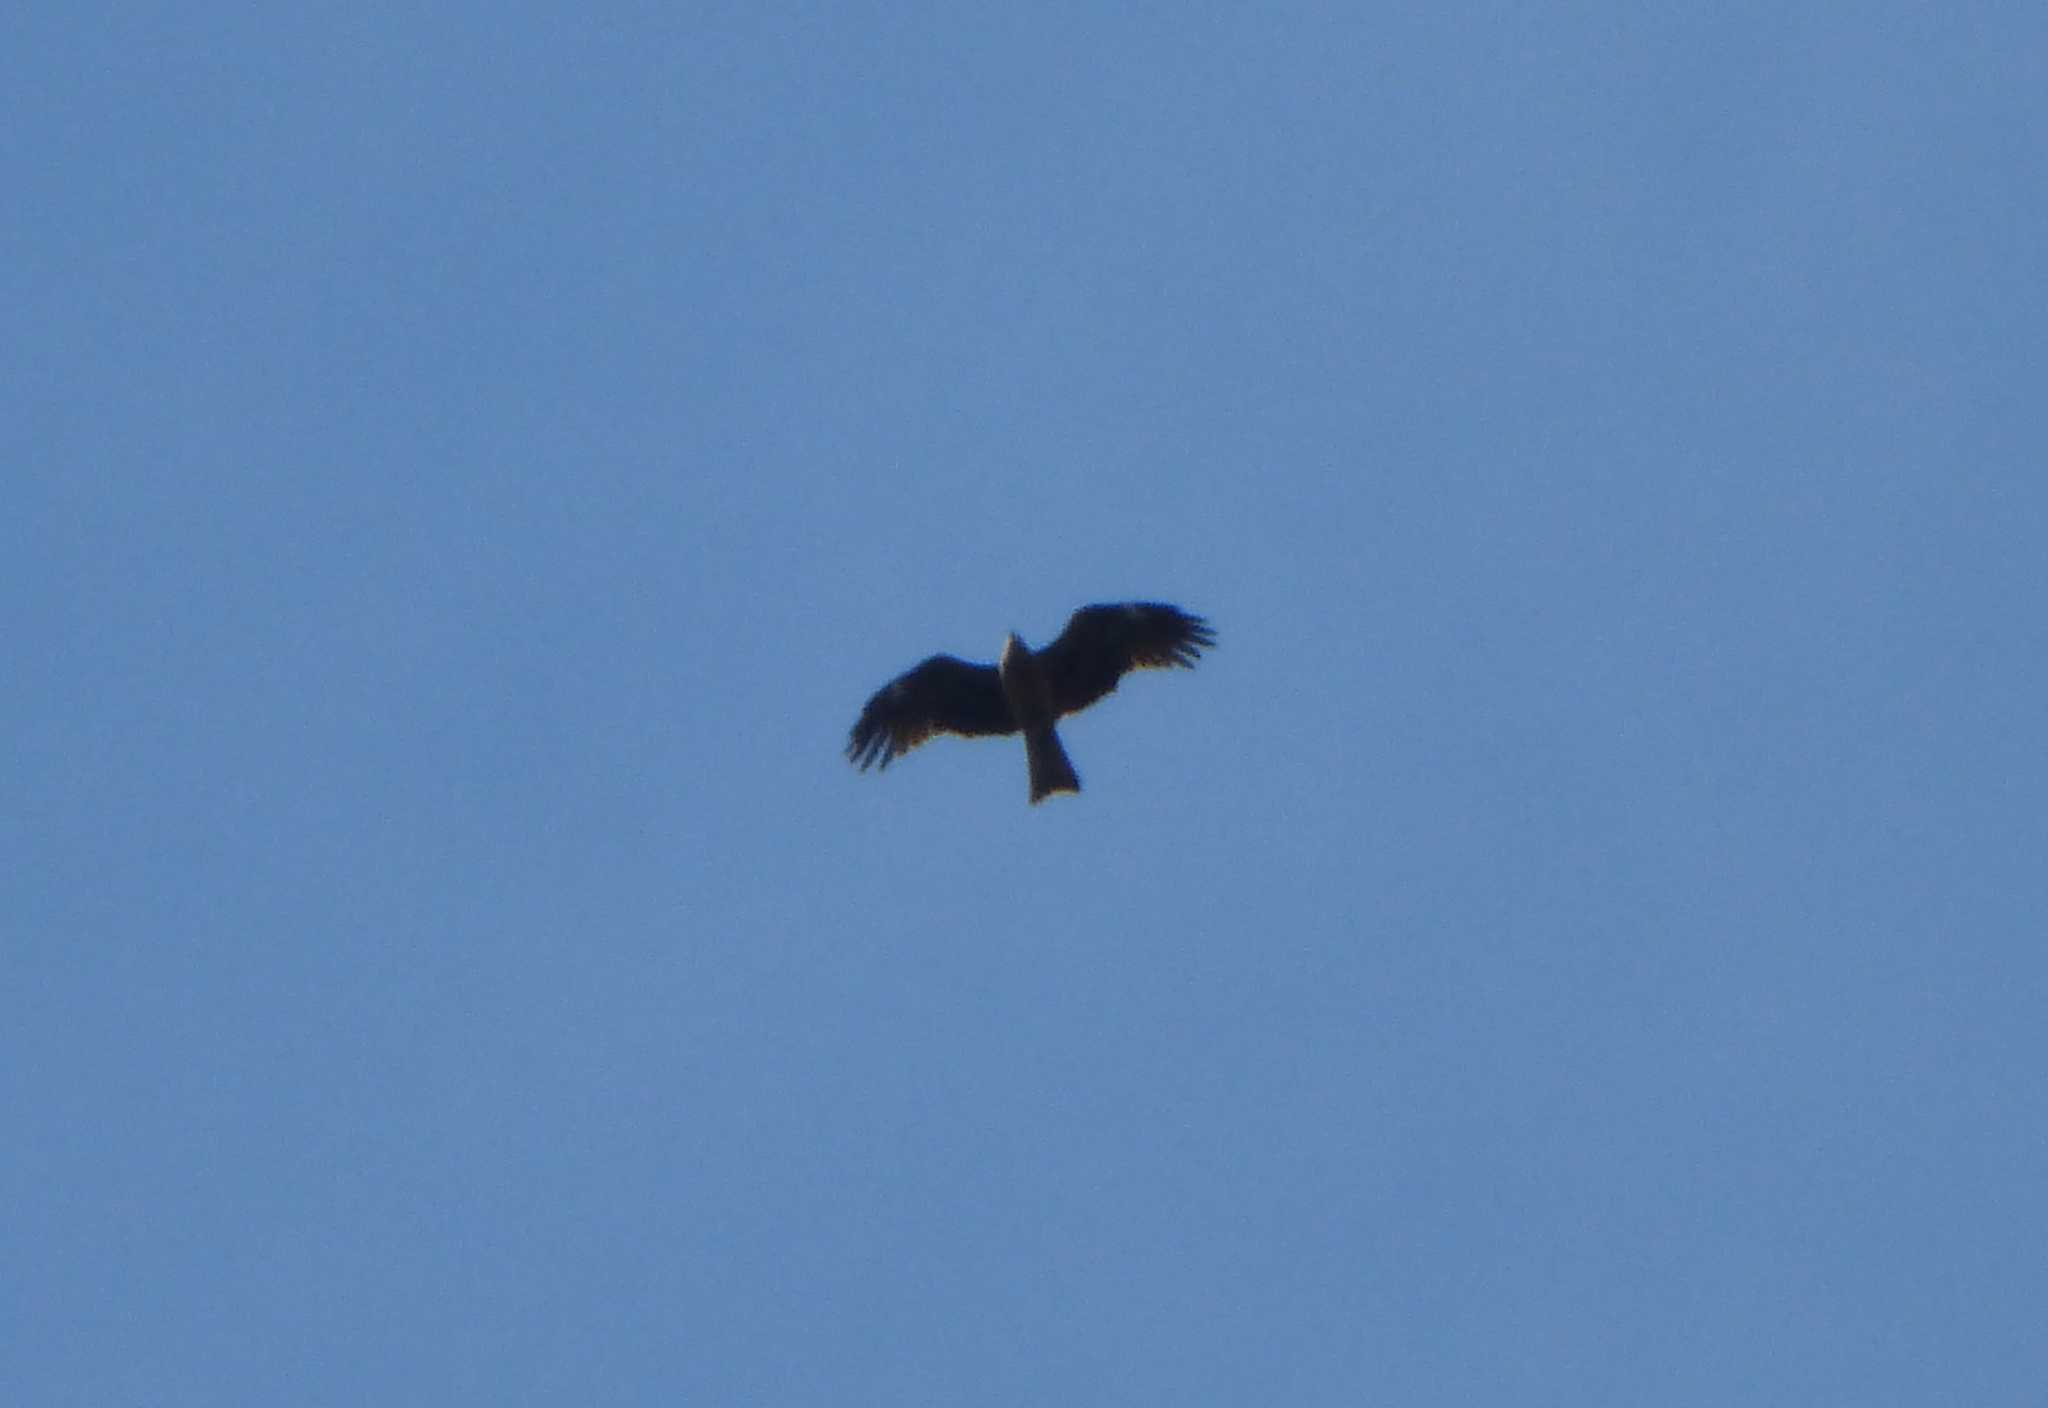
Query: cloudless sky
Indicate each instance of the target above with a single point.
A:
(1578, 939)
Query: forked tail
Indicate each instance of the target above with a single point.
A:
(1050, 769)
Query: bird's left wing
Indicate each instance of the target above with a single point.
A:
(943, 695)
(1101, 644)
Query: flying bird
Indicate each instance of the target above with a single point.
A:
(1028, 691)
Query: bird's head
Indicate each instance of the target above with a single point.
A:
(1013, 646)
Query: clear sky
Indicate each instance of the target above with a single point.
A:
(1577, 940)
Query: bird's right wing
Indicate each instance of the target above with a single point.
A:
(1102, 644)
(943, 695)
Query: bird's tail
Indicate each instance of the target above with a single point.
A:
(1050, 769)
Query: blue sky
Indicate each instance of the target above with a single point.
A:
(1578, 939)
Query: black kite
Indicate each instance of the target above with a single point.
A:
(1028, 691)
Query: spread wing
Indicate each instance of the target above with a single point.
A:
(943, 695)
(1101, 644)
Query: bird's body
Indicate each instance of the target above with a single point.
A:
(1028, 691)
(1031, 705)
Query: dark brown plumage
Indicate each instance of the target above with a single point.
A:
(1028, 691)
